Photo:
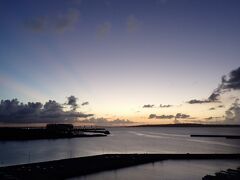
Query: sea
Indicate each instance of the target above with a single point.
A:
(134, 140)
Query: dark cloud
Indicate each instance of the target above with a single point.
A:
(212, 118)
(196, 101)
(11, 111)
(182, 116)
(165, 106)
(229, 82)
(154, 116)
(232, 115)
(85, 103)
(148, 106)
(106, 122)
(213, 98)
(232, 81)
(212, 108)
(72, 101)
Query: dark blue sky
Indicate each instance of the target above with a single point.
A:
(117, 54)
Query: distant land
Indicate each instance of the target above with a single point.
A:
(38, 125)
(187, 125)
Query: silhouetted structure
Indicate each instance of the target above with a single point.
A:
(66, 168)
(51, 131)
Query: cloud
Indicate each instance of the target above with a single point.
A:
(37, 24)
(104, 121)
(228, 83)
(232, 81)
(72, 101)
(212, 108)
(85, 103)
(165, 106)
(154, 116)
(177, 116)
(182, 116)
(132, 23)
(104, 29)
(212, 99)
(196, 101)
(12, 111)
(148, 106)
(67, 21)
(232, 115)
(212, 118)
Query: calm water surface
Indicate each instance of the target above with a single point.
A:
(166, 170)
(121, 140)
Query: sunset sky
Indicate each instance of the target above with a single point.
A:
(124, 57)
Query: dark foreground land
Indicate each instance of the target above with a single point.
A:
(66, 168)
(229, 174)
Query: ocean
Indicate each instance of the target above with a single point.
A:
(133, 140)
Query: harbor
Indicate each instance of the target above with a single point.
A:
(51, 131)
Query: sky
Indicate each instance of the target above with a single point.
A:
(129, 61)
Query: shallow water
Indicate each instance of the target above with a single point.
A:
(121, 140)
(167, 170)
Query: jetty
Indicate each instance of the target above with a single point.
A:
(74, 167)
(51, 131)
(218, 136)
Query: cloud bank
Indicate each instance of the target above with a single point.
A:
(12, 111)
(105, 122)
(232, 115)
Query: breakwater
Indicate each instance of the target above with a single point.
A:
(66, 168)
(51, 131)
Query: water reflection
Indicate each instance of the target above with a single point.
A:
(122, 140)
